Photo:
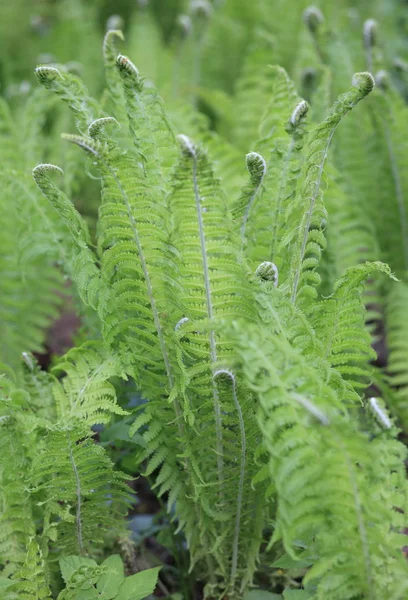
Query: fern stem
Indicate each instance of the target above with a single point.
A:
(79, 499)
(213, 349)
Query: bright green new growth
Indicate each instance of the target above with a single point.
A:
(215, 296)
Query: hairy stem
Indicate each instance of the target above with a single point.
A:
(213, 349)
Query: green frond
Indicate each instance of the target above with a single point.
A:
(73, 478)
(388, 149)
(156, 145)
(256, 166)
(85, 393)
(80, 263)
(114, 93)
(214, 287)
(276, 113)
(305, 239)
(17, 523)
(29, 582)
(72, 91)
(397, 342)
(282, 140)
(314, 449)
(340, 323)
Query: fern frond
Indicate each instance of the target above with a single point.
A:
(308, 207)
(30, 581)
(82, 265)
(157, 146)
(266, 225)
(322, 494)
(256, 166)
(339, 321)
(85, 393)
(253, 91)
(74, 479)
(388, 150)
(114, 88)
(214, 287)
(72, 91)
(397, 343)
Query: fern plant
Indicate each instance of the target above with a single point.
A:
(205, 281)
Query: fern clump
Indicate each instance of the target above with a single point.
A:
(234, 280)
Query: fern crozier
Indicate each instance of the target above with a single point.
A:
(364, 82)
(313, 18)
(299, 113)
(96, 126)
(370, 28)
(268, 271)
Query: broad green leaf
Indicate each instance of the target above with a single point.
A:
(69, 564)
(138, 586)
(109, 584)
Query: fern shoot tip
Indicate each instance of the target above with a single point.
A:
(127, 68)
(364, 81)
(224, 372)
(256, 165)
(46, 73)
(201, 9)
(187, 146)
(382, 79)
(184, 25)
(299, 113)
(114, 25)
(96, 126)
(370, 29)
(44, 167)
(268, 271)
(180, 323)
(313, 18)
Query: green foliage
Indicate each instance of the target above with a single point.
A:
(245, 308)
(86, 580)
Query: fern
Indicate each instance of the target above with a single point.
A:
(30, 581)
(303, 424)
(309, 238)
(261, 422)
(339, 321)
